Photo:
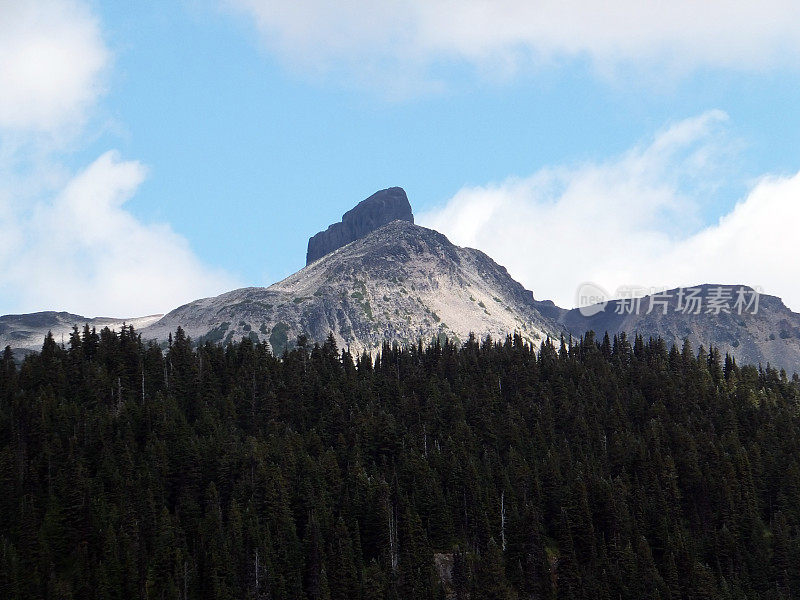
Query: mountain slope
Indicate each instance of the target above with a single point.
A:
(402, 282)
(770, 335)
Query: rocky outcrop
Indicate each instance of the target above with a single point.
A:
(381, 208)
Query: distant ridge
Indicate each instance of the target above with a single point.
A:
(768, 335)
(25, 332)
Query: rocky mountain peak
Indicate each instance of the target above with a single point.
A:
(399, 283)
(379, 209)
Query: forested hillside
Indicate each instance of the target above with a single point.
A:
(597, 470)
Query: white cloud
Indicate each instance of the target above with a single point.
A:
(757, 243)
(398, 39)
(52, 62)
(68, 242)
(634, 221)
(83, 251)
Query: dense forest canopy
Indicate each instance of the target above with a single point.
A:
(597, 470)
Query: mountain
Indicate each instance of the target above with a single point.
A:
(766, 331)
(376, 276)
(24, 333)
(378, 210)
(401, 282)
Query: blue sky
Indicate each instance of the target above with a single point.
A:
(239, 128)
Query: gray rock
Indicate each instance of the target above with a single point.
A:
(381, 208)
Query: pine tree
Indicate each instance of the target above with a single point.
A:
(490, 577)
(343, 576)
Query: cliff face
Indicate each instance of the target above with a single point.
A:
(381, 208)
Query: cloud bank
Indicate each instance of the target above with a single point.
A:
(404, 36)
(69, 243)
(634, 220)
(84, 251)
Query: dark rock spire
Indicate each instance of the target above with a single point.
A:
(376, 211)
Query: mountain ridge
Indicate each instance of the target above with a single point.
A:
(24, 332)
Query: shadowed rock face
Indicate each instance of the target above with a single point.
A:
(381, 208)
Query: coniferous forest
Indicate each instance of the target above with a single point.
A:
(600, 469)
